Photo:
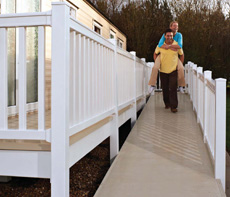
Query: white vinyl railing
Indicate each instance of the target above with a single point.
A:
(209, 102)
(22, 21)
(148, 75)
(92, 79)
(125, 77)
(140, 77)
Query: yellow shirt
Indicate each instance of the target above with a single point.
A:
(169, 58)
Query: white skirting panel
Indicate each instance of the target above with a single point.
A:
(25, 163)
(140, 103)
(126, 115)
(84, 145)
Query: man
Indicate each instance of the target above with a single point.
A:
(168, 70)
(180, 68)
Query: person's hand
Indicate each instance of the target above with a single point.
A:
(165, 46)
(173, 49)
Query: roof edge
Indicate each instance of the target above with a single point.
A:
(106, 18)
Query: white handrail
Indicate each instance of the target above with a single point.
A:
(25, 19)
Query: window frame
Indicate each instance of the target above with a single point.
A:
(120, 43)
(113, 33)
(97, 25)
(73, 12)
(73, 7)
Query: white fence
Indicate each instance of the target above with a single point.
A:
(209, 102)
(93, 83)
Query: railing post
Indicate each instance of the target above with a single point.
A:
(114, 137)
(207, 76)
(191, 80)
(144, 93)
(151, 64)
(220, 149)
(194, 87)
(60, 100)
(199, 71)
(134, 113)
(186, 78)
(3, 80)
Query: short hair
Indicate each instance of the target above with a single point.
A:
(172, 23)
(168, 30)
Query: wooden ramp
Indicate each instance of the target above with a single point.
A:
(163, 156)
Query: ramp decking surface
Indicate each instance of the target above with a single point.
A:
(164, 155)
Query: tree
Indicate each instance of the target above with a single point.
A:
(203, 23)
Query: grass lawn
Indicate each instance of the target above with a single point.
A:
(228, 121)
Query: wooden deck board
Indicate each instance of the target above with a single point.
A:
(32, 145)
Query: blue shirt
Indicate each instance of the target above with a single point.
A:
(178, 38)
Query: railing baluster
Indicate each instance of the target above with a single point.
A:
(127, 78)
(87, 78)
(112, 90)
(106, 77)
(82, 93)
(113, 77)
(96, 77)
(78, 108)
(100, 78)
(3, 80)
(72, 77)
(41, 78)
(109, 78)
(22, 78)
(105, 80)
(108, 82)
(74, 80)
(93, 82)
(123, 85)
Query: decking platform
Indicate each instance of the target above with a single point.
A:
(164, 155)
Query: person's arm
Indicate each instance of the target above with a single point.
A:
(174, 47)
(161, 42)
(182, 58)
(179, 41)
(156, 53)
(155, 56)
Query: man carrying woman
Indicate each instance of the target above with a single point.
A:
(168, 70)
(180, 68)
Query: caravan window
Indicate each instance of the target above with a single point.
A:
(97, 27)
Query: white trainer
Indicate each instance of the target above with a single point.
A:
(181, 90)
(151, 89)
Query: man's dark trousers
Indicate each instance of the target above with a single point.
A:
(169, 87)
